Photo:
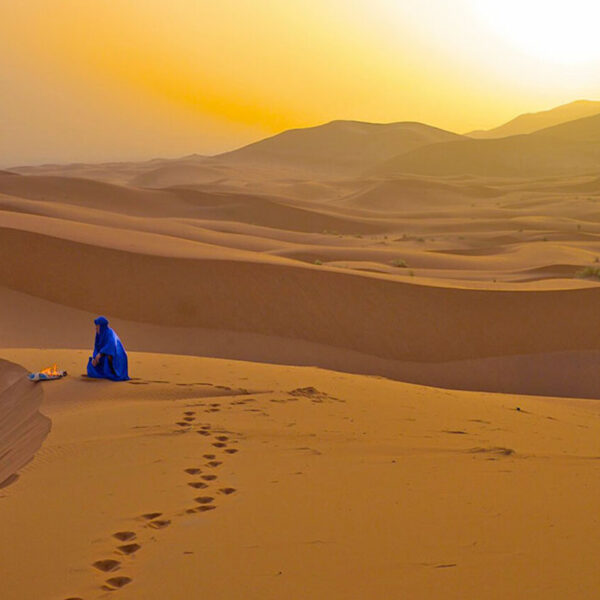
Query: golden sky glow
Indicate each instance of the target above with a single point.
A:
(117, 79)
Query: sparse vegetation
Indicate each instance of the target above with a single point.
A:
(398, 262)
(318, 262)
(588, 273)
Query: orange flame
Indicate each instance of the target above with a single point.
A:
(51, 371)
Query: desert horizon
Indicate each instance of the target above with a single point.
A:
(334, 335)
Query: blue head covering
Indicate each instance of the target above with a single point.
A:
(108, 344)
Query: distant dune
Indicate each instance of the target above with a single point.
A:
(111, 172)
(569, 148)
(530, 122)
(411, 193)
(339, 146)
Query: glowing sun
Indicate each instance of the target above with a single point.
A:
(550, 30)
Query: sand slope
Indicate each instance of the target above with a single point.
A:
(467, 283)
(530, 122)
(22, 427)
(339, 146)
(324, 484)
(568, 148)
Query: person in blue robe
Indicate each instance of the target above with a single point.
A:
(109, 360)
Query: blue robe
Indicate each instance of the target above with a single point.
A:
(113, 363)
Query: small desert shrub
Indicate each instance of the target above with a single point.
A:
(318, 262)
(588, 272)
(398, 262)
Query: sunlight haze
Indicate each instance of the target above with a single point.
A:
(91, 81)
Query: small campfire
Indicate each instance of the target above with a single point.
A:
(48, 374)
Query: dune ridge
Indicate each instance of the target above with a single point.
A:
(339, 146)
(530, 122)
(22, 427)
(453, 324)
(567, 148)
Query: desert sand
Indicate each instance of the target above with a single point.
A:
(359, 369)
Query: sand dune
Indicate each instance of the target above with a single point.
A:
(339, 146)
(22, 427)
(530, 122)
(197, 467)
(112, 172)
(410, 194)
(453, 324)
(568, 148)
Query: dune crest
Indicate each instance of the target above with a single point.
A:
(22, 427)
(530, 122)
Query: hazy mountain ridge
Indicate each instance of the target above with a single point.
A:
(568, 148)
(352, 148)
(531, 122)
(339, 146)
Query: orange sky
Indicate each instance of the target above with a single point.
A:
(89, 80)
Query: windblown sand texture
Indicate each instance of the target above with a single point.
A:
(364, 359)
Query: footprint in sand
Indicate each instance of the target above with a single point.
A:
(209, 477)
(204, 499)
(231, 450)
(227, 491)
(189, 419)
(128, 549)
(198, 485)
(124, 536)
(209, 456)
(221, 438)
(182, 424)
(116, 583)
(193, 471)
(153, 515)
(205, 427)
(203, 432)
(159, 523)
(107, 565)
(214, 463)
(219, 444)
(189, 413)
